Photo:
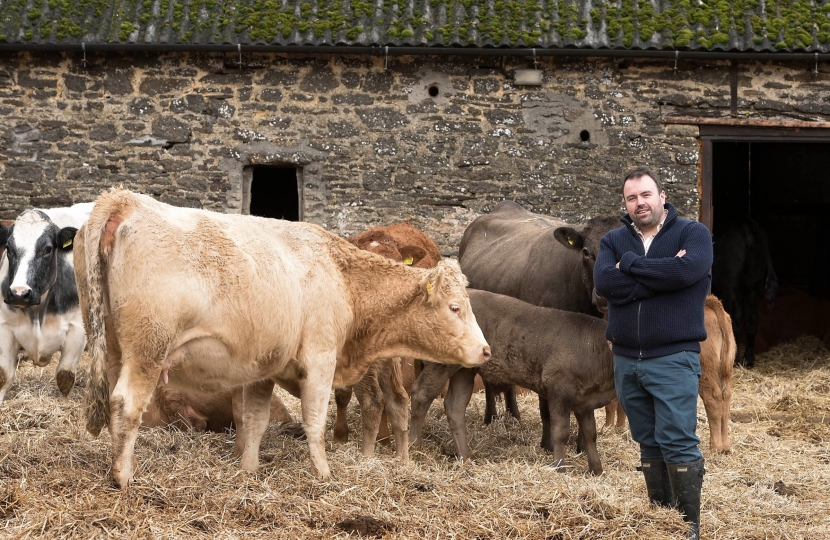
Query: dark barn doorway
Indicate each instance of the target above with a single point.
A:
(781, 180)
(274, 192)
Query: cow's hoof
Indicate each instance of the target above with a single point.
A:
(65, 380)
(121, 479)
(321, 474)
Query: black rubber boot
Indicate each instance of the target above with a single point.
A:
(657, 483)
(686, 481)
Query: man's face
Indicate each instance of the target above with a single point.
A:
(643, 203)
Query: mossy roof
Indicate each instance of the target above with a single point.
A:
(705, 25)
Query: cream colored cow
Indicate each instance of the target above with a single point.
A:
(210, 301)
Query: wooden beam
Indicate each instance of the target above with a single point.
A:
(749, 122)
(733, 88)
(705, 215)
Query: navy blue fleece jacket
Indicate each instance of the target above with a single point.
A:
(655, 301)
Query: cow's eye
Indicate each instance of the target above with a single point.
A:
(47, 251)
(455, 308)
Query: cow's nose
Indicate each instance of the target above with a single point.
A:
(486, 353)
(21, 293)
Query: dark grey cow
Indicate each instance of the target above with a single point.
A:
(562, 356)
(40, 312)
(742, 272)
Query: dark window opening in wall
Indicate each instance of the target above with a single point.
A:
(275, 193)
(585, 135)
(784, 187)
(433, 90)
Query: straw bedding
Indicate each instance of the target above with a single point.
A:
(774, 484)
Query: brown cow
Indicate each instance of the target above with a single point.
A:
(717, 355)
(209, 301)
(560, 355)
(402, 243)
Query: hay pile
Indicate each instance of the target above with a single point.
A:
(774, 484)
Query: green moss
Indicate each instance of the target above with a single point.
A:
(702, 24)
(125, 30)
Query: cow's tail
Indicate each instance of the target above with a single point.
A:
(96, 399)
(728, 348)
(396, 378)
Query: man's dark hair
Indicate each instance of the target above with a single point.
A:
(641, 171)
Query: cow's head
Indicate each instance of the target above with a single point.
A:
(449, 326)
(380, 242)
(33, 244)
(586, 239)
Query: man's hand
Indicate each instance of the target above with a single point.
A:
(679, 254)
(617, 266)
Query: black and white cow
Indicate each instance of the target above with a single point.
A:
(40, 312)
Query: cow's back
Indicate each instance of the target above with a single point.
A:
(558, 341)
(514, 252)
(177, 274)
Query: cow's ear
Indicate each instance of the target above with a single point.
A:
(432, 285)
(569, 237)
(412, 255)
(66, 238)
(4, 235)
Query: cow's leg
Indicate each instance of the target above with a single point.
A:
(588, 430)
(238, 412)
(8, 361)
(315, 389)
(384, 435)
(455, 405)
(491, 412)
(256, 411)
(425, 389)
(131, 395)
(544, 413)
(342, 397)
(621, 417)
(734, 308)
(716, 401)
(71, 351)
(396, 404)
(511, 405)
(370, 397)
(750, 313)
(560, 416)
(610, 414)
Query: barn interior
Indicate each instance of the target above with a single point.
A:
(785, 188)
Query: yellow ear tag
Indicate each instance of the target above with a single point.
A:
(571, 241)
(429, 287)
(408, 261)
(67, 243)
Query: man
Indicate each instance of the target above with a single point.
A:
(655, 274)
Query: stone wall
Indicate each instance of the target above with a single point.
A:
(371, 143)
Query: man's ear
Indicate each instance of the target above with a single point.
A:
(66, 238)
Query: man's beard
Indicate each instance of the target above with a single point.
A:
(652, 219)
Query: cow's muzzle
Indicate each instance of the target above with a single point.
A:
(21, 297)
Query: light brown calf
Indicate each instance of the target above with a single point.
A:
(383, 393)
(212, 301)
